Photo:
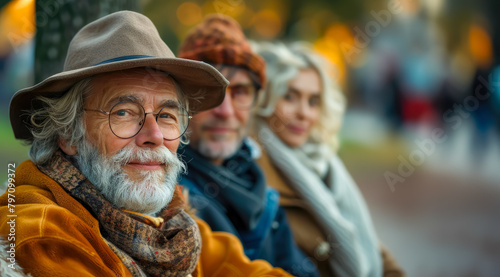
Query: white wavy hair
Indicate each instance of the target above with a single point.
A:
(283, 63)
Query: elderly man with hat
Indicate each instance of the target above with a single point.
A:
(226, 186)
(99, 195)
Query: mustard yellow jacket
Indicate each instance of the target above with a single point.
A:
(56, 236)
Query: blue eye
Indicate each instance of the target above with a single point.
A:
(121, 113)
(167, 118)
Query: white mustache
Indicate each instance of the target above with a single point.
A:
(144, 155)
(109, 177)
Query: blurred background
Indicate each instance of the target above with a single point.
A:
(421, 135)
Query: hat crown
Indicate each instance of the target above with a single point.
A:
(118, 35)
(116, 42)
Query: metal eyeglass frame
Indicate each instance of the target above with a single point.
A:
(143, 120)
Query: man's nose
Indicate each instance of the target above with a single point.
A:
(225, 109)
(304, 110)
(150, 134)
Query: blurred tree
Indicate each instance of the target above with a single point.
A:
(3, 3)
(491, 9)
(58, 21)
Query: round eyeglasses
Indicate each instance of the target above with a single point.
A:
(127, 118)
(242, 96)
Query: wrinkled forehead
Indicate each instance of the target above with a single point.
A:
(141, 84)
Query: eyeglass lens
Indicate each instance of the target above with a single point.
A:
(126, 119)
(242, 96)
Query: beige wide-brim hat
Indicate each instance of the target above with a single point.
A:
(119, 41)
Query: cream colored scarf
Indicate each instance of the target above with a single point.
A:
(321, 178)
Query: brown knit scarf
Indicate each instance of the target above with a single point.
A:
(171, 250)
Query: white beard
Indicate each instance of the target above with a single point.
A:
(149, 195)
(218, 149)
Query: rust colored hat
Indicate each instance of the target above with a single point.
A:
(119, 41)
(219, 39)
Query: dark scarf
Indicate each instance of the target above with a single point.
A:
(238, 184)
(171, 250)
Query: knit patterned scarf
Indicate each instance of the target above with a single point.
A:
(240, 184)
(170, 250)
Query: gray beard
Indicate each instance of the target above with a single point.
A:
(148, 196)
(218, 149)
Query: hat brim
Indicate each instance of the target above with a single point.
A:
(203, 86)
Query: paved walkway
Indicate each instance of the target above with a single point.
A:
(444, 220)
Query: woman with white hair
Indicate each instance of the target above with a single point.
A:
(296, 124)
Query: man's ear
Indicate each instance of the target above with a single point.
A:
(66, 148)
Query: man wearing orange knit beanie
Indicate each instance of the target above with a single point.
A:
(226, 186)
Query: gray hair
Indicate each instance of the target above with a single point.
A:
(59, 119)
(283, 63)
(62, 119)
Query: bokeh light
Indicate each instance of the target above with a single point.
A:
(17, 24)
(337, 45)
(267, 23)
(409, 6)
(189, 13)
(233, 8)
(480, 46)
